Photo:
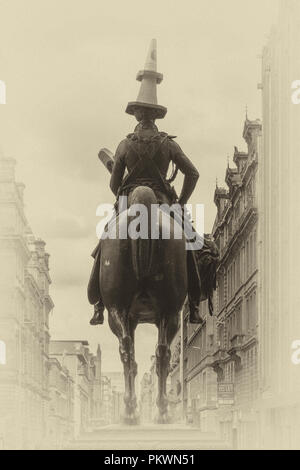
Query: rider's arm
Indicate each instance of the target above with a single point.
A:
(118, 168)
(190, 172)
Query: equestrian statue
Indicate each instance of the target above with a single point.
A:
(147, 279)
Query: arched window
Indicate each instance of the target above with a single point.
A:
(2, 353)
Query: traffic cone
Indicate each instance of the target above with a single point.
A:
(149, 78)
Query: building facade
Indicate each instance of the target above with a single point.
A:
(217, 362)
(115, 389)
(279, 259)
(96, 391)
(145, 403)
(149, 393)
(200, 379)
(24, 315)
(106, 402)
(236, 305)
(85, 371)
(252, 393)
(177, 389)
(61, 410)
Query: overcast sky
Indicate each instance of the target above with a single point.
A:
(70, 69)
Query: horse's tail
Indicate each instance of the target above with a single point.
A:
(142, 248)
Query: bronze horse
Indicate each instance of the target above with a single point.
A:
(144, 281)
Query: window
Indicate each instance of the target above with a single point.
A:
(247, 260)
(228, 283)
(226, 234)
(221, 292)
(220, 242)
(244, 199)
(247, 316)
(249, 192)
(242, 264)
(251, 254)
(238, 270)
(251, 314)
(233, 277)
(227, 334)
(230, 228)
(237, 211)
(229, 372)
(221, 336)
(233, 332)
(238, 320)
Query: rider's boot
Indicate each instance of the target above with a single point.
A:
(98, 317)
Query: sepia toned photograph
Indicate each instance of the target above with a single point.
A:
(149, 227)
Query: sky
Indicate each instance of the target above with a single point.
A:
(70, 68)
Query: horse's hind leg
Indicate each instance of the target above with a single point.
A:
(125, 332)
(130, 371)
(166, 331)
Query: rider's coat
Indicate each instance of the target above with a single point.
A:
(147, 142)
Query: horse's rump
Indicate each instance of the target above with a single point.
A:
(143, 274)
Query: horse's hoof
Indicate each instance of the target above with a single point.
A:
(131, 420)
